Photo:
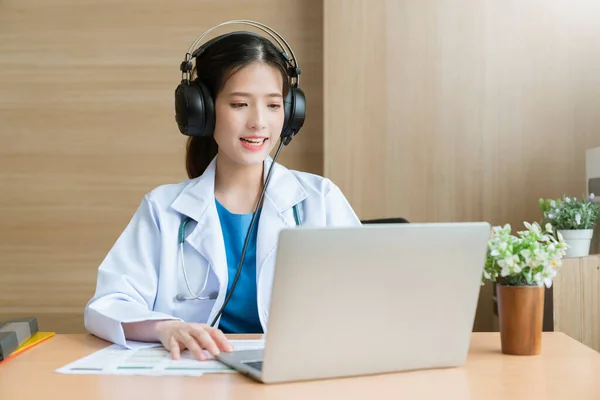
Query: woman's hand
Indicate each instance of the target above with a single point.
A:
(177, 336)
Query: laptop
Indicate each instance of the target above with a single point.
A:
(368, 300)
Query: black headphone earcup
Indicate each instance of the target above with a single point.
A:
(295, 112)
(194, 109)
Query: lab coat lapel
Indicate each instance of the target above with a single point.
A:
(197, 202)
(283, 193)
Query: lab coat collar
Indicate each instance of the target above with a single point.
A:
(284, 191)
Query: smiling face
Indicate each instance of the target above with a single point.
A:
(249, 114)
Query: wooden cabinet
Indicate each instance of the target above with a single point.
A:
(576, 298)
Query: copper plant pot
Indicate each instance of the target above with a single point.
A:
(521, 315)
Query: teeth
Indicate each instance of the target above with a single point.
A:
(253, 141)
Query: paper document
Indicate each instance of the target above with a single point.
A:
(151, 359)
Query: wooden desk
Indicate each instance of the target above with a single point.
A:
(566, 370)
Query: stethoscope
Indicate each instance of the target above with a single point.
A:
(181, 240)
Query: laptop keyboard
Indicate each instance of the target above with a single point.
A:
(254, 364)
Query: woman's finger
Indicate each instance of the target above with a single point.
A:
(175, 351)
(194, 346)
(205, 340)
(220, 339)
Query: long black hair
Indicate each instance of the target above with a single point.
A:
(215, 65)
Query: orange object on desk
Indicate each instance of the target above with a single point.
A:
(37, 338)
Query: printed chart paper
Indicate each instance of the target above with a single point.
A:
(151, 359)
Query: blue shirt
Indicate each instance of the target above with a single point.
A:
(241, 312)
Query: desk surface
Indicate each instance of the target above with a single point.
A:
(566, 369)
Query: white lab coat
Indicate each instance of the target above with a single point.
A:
(141, 275)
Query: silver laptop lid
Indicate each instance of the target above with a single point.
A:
(372, 299)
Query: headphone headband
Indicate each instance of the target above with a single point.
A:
(186, 66)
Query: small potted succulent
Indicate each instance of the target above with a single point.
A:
(521, 265)
(574, 220)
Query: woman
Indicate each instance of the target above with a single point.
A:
(142, 292)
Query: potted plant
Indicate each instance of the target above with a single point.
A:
(520, 266)
(574, 220)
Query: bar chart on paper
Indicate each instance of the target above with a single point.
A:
(151, 359)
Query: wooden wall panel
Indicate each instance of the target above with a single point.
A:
(87, 128)
(460, 110)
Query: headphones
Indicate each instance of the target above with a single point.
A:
(195, 107)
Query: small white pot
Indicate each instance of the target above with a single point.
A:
(578, 240)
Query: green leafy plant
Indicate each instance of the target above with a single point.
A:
(570, 213)
(530, 258)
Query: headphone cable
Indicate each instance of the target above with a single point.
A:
(283, 142)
